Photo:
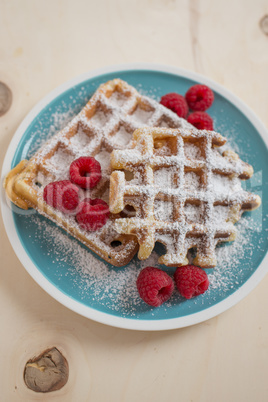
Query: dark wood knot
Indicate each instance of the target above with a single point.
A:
(5, 98)
(47, 372)
(264, 24)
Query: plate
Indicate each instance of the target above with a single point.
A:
(75, 277)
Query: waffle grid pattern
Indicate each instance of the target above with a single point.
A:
(104, 124)
(176, 233)
(98, 124)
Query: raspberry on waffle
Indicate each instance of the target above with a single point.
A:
(186, 194)
(106, 123)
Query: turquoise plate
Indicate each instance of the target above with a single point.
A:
(84, 283)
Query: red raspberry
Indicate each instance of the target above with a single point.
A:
(95, 201)
(154, 286)
(201, 120)
(176, 103)
(199, 97)
(191, 281)
(93, 214)
(85, 171)
(62, 195)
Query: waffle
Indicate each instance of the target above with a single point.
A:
(106, 123)
(185, 193)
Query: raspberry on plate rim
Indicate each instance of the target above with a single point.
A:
(201, 120)
(191, 281)
(154, 286)
(176, 103)
(199, 97)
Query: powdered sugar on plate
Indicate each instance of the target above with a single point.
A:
(115, 288)
(109, 286)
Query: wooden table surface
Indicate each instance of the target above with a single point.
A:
(43, 44)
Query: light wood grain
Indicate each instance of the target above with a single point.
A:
(43, 44)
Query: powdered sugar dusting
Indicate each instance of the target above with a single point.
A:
(122, 136)
(163, 210)
(59, 164)
(117, 98)
(100, 118)
(80, 140)
(179, 180)
(193, 213)
(191, 181)
(163, 177)
(191, 151)
(141, 115)
(115, 288)
(227, 274)
(103, 158)
(58, 121)
(96, 125)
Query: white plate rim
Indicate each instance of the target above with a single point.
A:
(69, 302)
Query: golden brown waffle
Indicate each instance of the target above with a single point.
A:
(185, 193)
(104, 124)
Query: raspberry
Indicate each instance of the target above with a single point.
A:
(95, 201)
(85, 172)
(154, 286)
(199, 97)
(191, 281)
(62, 195)
(201, 120)
(176, 103)
(93, 214)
